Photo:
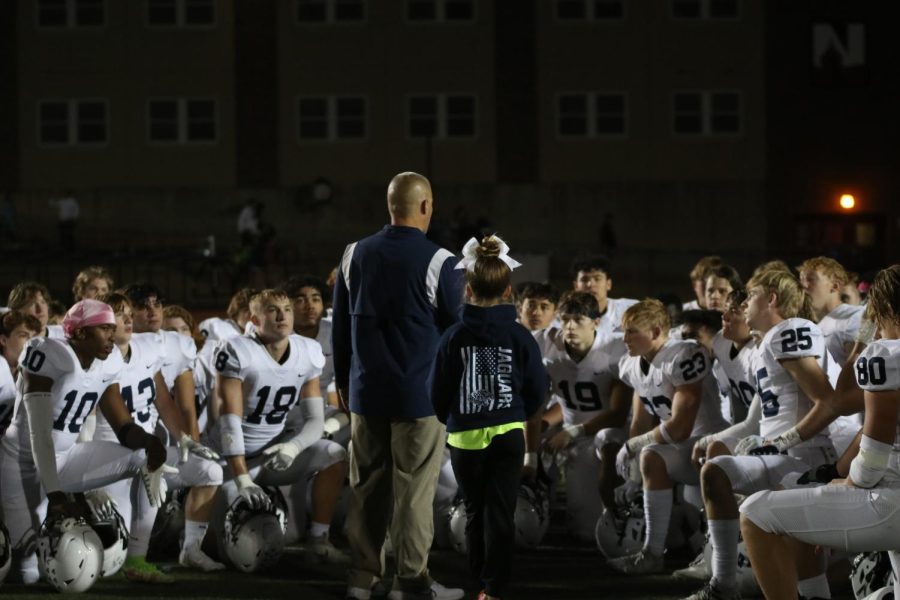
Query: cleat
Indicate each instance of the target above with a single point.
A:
(698, 569)
(711, 592)
(639, 563)
(322, 548)
(195, 558)
(137, 570)
(436, 592)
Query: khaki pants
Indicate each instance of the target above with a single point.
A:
(393, 460)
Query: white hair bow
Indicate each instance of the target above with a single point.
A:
(470, 255)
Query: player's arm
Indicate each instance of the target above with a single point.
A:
(749, 426)
(174, 420)
(814, 383)
(878, 433)
(848, 397)
(232, 394)
(641, 420)
(312, 408)
(130, 435)
(38, 404)
(186, 402)
(616, 414)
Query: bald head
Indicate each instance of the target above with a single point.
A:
(409, 200)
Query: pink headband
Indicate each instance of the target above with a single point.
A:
(87, 313)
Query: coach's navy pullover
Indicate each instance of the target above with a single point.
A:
(395, 293)
(488, 371)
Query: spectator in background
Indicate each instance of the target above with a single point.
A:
(92, 282)
(395, 294)
(698, 280)
(67, 219)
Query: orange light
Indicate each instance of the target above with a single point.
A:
(847, 201)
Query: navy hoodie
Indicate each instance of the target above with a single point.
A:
(488, 371)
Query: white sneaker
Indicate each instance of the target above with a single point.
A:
(322, 548)
(193, 557)
(697, 570)
(639, 563)
(438, 592)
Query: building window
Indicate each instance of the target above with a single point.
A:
(705, 9)
(589, 10)
(331, 118)
(590, 114)
(181, 13)
(181, 121)
(72, 122)
(706, 113)
(71, 13)
(311, 12)
(442, 116)
(436, 11)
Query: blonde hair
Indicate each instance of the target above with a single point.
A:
(261, 299)
(647, 313)
(239, 302)
(827, 266)
(490, 276)
(792, 300)
(772, 265)
(884, 295)
(87, 275)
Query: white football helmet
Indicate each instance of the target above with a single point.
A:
(5, 552)
(113, 534)
(885, 593)
(254, 539)
(869, 572)
(457, 520)
(621, 532)
(532, 515)
(70, 555)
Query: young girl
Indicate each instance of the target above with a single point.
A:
(487, 380)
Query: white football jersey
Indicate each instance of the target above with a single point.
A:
(611, 321)
(878, 370)
(784, 404)
(75, 390)
(180, 354)
(215, 329)
(7, 396)
(136, 384)
(270, 389)
(840, 327)
(677, 363)
(582, 387)
(737, 369)
(56, 332)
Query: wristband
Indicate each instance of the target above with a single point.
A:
(869, 466)
(664, 434)
(574, 431)
(635, 444)
(787, 440)
(232, 435)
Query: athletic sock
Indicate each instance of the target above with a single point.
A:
(657, 513)
(723, 535)
(814, 587)
(318, 529)
(194, 532)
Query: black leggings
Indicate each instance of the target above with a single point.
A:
(489, 480)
